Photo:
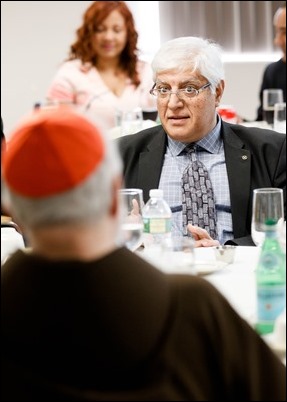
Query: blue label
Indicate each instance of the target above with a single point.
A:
(271, 301)
(271, 260)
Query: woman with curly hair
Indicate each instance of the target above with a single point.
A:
(103, 74)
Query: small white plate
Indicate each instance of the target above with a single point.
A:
(280, 350)
(208, 267)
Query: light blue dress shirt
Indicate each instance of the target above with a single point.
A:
(210, 152)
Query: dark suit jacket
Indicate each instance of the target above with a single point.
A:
(254, 157)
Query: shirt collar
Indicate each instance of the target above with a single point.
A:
(210, 143)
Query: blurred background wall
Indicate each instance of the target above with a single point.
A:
(36, 35)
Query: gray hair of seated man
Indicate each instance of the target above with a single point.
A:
(191, 53)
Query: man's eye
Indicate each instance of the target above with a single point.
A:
(163, 90)
(189, 90)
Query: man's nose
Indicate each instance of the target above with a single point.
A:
(174, 100)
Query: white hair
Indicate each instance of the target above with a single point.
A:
(278, 12)
(191, 53)
(87, 202)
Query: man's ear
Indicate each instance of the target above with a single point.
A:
(219, 92)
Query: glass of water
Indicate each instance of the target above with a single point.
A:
(132, 222)
(270, 97)
(280, 117)
(131, 121)
(178, 254)
(267, 204)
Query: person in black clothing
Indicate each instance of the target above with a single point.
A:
(275, 73)
(3, 146)
(3, 140)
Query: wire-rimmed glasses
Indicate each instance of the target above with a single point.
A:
(188, 92)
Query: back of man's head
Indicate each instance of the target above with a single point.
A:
(58, 169)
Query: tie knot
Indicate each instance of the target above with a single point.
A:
(191, 148)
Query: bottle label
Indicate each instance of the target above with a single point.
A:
(271, 301)
(157, 225)
(270, 260)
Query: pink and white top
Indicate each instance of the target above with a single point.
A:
(82, 85)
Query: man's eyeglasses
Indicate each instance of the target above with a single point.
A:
(188, 92)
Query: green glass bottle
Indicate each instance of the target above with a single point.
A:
(270, 280)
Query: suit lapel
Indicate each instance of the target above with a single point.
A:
(238, 165)
(150, 164)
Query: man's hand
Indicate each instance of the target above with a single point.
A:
(201, 237)
(136, 208)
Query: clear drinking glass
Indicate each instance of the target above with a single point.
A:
(132, 223)
(267, 204)
(178, 254)
(131, 121)
(279, 123)
(282, 235)
(270, 97)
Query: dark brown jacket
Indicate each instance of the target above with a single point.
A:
(117, 329)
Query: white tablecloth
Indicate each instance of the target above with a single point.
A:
(258, 124)
(281, 128)
(117, 131)
(11, 241)
(235, 281)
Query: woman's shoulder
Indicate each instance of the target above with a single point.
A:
(75, 65)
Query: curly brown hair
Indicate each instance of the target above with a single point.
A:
(83, 49)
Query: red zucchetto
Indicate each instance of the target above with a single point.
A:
(51, 152)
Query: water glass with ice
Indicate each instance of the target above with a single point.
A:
(270, 97)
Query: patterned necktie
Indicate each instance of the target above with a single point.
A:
(198, 206)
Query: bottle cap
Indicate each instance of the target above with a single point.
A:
(156, 193)
(270, 225)
(270, 222)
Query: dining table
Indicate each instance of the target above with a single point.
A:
(264, 125)
(236, 281)
(119, 131)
